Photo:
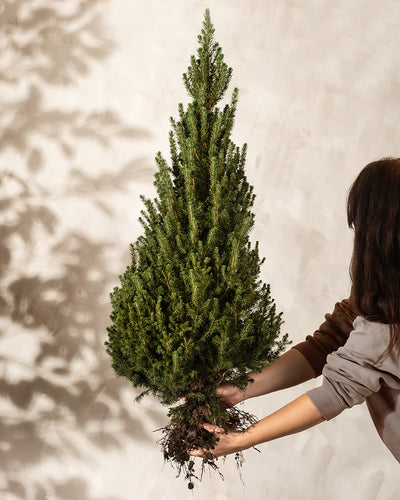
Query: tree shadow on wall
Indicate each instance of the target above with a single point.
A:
(43, 49)
(65, 401)
(71, 389)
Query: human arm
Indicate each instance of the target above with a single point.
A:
(296, 416)
(351, 374)
(303, 362)
(290, 369)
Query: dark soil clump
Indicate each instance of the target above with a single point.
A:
(182, 436)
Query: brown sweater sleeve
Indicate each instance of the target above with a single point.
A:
(331, 335)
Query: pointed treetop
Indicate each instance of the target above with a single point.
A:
(207, 33)
(208, 76)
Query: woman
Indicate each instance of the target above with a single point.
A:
(357, 349)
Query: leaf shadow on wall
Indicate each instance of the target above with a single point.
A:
(63, 400)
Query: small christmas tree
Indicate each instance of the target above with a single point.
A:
(190, 313)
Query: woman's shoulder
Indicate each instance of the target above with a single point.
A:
(370, 337)
(366, 325)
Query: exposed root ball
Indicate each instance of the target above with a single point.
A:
(179, 438)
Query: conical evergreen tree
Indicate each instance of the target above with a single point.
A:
(191, 313)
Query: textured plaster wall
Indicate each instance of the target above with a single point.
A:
(86, 91)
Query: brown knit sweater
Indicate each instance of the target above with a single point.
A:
(331, 335)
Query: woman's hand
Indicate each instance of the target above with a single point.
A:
(230, 395)
(229, 442)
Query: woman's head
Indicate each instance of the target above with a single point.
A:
(373, 211)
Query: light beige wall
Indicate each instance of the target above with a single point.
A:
(87, 88)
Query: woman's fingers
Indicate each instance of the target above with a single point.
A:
(213, 428)
(198, 452)
(201, 452)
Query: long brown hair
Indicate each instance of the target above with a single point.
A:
(373, 211)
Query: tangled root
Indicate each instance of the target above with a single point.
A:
(179, 438)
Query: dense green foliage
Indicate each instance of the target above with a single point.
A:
(191, 312)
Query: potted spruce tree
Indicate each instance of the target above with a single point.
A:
(190, 313)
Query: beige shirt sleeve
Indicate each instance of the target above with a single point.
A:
(354, 371)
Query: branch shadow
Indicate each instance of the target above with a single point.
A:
(62, 399)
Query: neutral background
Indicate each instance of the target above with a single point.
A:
(86, 89)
